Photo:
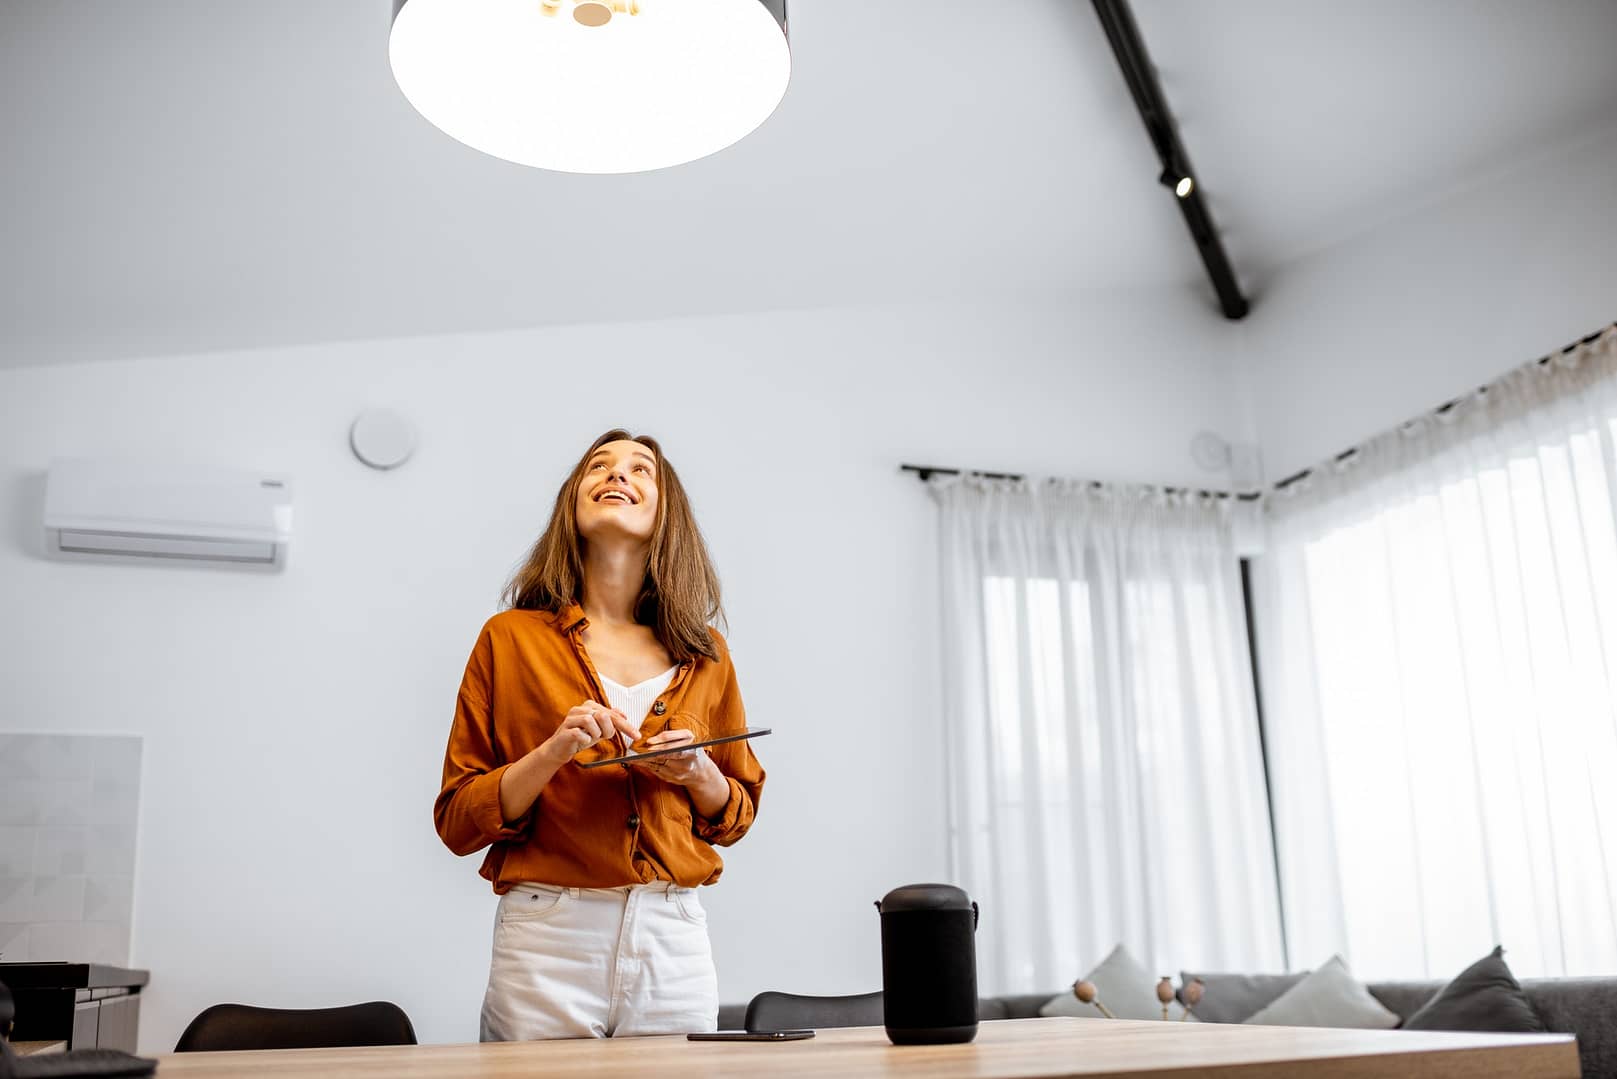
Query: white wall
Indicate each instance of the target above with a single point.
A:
(294, 724)
(1363, 336)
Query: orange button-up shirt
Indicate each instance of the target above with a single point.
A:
(590, 827)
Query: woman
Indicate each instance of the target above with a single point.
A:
(599, 931)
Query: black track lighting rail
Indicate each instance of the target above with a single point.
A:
(1124, 35)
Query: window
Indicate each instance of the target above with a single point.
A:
(1461, 614)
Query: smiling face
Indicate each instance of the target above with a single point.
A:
(617, 494)
(624, 493)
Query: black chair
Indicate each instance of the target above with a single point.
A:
(226, 1027)
(789, 1011)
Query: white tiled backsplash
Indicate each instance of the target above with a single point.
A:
(68, 806)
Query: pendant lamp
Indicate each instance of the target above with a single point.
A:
(600, 86)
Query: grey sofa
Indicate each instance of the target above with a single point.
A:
(1586, 1007)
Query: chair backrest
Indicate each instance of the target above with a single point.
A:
(789, 1011)
(226, 1027)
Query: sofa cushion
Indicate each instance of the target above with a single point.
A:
(1235, 998)
(1121, 983)
(1586, 1007)
(1484, 996)
(1404, 998)
(1014, 1006)
(1328, 997)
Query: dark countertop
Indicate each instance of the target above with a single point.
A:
(70, 976)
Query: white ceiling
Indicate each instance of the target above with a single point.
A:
(181, 175)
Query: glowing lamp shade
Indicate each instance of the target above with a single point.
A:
(592, 85)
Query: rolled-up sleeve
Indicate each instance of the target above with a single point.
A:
(738, 763)
(467, 811)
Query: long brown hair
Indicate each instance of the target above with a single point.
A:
(681, 591)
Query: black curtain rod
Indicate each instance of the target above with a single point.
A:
(926, 471)
(1352, 451)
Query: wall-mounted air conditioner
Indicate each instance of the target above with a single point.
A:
(127, 511)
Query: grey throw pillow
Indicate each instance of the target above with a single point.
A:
(1121, 983)
(1235, 998)
(1328, 997)
(1484, 997)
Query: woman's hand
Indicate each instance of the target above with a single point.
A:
(692, 769)
(583, 726)
(683, 769)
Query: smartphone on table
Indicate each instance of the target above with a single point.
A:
(750, 1035)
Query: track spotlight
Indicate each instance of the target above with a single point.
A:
(1181, 183)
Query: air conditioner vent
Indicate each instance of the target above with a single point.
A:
(125, 511)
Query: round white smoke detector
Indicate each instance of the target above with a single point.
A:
(382, 439)
(1210, 451)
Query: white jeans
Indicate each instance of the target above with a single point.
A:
(599, 963)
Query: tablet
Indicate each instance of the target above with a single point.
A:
(750, 732)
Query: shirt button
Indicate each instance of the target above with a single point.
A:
(659, 708)
(634, 820)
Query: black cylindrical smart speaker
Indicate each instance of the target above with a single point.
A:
(929, 964)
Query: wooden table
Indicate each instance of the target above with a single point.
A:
(1004, 1049)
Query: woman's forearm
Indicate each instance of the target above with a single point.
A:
(521, 783)
(711, 792)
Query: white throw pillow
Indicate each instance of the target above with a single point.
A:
(1126, 988)
(1329, 997)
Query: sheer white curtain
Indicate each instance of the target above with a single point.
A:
(1105, 780)
(1438, 648)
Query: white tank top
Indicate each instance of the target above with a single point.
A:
(635, 701)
